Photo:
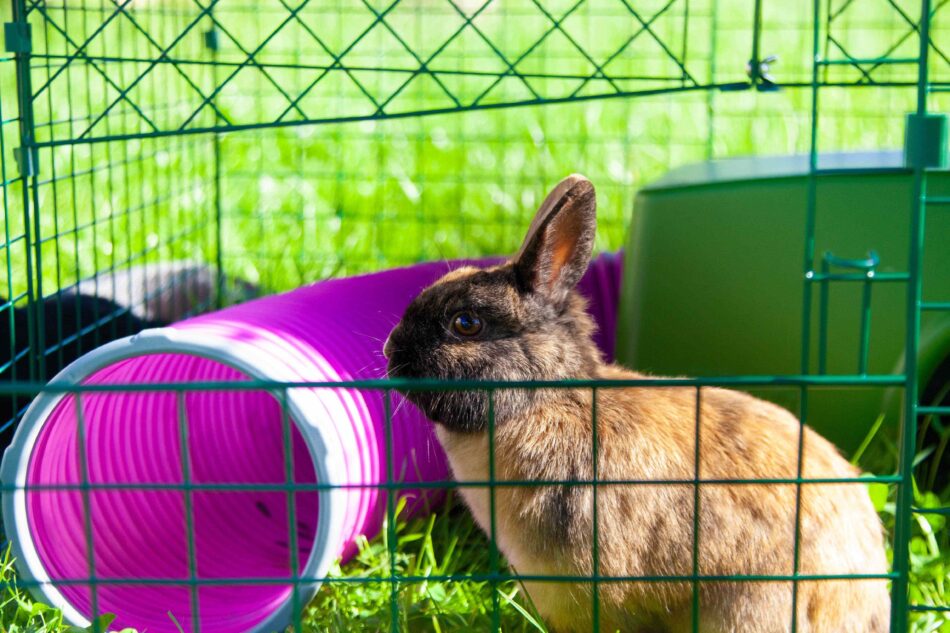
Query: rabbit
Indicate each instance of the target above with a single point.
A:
(523, 320)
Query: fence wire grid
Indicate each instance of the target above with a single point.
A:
(287, 141)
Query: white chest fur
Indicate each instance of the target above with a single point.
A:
(468, 457)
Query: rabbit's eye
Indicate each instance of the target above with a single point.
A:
(466, 323)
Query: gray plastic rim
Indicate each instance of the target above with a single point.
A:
(17, 456)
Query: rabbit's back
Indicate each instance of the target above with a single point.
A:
(645, 513)
(745, 529)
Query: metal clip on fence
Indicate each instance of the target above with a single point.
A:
(866, 270)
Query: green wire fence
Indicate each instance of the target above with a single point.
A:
(368, 134)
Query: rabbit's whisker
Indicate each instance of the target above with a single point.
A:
(402, 403)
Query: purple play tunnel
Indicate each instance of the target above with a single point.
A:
(216, 462)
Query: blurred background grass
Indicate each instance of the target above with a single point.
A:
(359, 196)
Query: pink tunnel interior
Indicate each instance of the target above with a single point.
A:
(233, 438)
(141, 553)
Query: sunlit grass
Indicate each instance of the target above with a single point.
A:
(448, 543)
(445, 543)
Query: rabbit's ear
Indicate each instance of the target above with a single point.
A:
(558, 246)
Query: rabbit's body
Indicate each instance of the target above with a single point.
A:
(522, 321)
(648, 434)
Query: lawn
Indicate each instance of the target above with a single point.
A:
(447, 542)
(369, 194)
(290, 205)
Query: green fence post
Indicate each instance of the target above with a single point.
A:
(811, 206)
(19, 41)
(212, 44)
(754, 59)
(908, 433)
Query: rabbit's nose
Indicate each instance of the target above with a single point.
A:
(387, 347)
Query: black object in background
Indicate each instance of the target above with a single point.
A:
(73, 324)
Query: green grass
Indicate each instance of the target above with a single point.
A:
(358, 197)
(930, 542)
(444, 543)
(929, 560)
(447, 542)
(930, 563)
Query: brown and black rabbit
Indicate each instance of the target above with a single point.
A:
(523, 320)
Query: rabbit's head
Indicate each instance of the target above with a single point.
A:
(518, 321)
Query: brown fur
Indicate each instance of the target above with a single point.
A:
(646, 434)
